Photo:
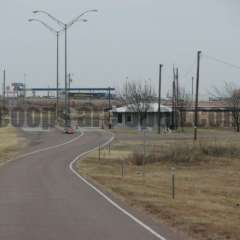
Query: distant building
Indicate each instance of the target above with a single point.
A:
(211, 114)
(214, 113)
(125, 117)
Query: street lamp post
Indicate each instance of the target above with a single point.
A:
(57, 106)
(57, 33)
(66, 116)
(65, 27)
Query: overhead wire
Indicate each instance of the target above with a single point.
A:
(189, 69)
(221, 61)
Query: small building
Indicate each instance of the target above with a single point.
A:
(126, 117)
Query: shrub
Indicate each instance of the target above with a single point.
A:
(186, 153)
(137, 158)
(219, 150)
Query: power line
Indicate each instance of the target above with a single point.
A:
(189, 70)
(221, 61)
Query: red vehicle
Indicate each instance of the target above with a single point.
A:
(69, 130)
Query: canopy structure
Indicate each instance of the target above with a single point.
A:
(153, 108)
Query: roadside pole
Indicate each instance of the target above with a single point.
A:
(159, 98)
(66, 80)
(69, 98)
(177, 99)
(109, 108)
(192, 89)
(173, 100)
(57, 103)
(197, 95)
(4, 88)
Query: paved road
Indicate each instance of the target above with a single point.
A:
(41, 199)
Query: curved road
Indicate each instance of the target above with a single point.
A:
(41, 199)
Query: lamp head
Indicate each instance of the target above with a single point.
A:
(84, 20)
(30, 20)
(36, 11)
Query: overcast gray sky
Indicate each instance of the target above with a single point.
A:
(127, 38)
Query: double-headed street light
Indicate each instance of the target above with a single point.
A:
(65, 27)
(57, 33)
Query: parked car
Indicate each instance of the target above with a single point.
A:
(68, 130)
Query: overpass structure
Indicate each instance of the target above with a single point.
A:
(109, 89)
(70, 90)
(94, 91)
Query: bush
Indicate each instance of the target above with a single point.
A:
(219, 150)
(137, 158)
(186, 153)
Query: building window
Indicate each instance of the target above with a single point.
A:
(129, 118)
(119, 118)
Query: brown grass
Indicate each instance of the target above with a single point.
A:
(207, 204)
(10, 144)
(185, 153)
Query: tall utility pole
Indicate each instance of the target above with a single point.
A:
(197, 93)
(66, 105)
(159, 98)
(24, 88)
(174, 99)
(57, 105)
(4, 87)
(177, 97)
(109, 107)
(68, 94)
(192, 88)
(173, 103)
(177, 86)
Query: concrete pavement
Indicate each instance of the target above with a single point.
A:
(40, 198)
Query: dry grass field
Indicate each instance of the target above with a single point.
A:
(207, 177)
(10, 144)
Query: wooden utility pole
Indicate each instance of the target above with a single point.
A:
(177, 85)
(177, 97)
(4, 88)
(173, 99)
(192, 88)
(197, 95)
(109, 108)
(159, 98)
(57, 96)
(173, 105)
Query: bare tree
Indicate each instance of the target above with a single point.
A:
(184, 103)
(138, 98)
(230, 95)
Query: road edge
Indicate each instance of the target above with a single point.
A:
(109, 200)
(50, 148)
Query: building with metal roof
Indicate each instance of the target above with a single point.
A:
(127, 116)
